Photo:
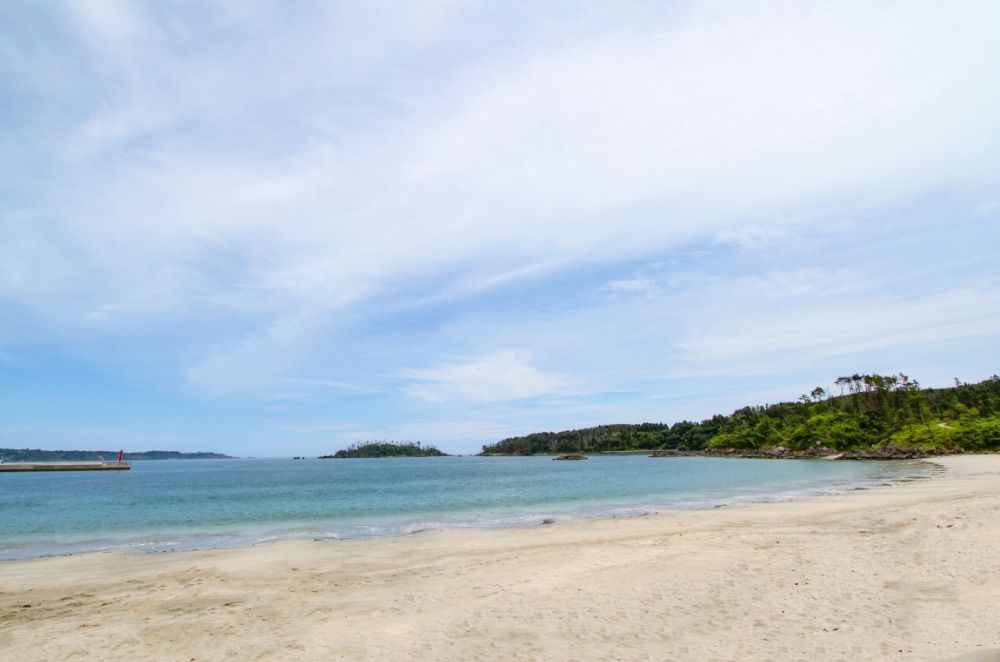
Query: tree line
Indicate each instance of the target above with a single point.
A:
(868, 410)
(386, 449)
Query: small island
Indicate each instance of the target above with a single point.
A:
(386, 449)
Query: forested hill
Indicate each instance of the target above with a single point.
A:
(869, 410)
(35, 455)
(386, 449)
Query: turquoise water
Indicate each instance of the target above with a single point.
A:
(170, 505)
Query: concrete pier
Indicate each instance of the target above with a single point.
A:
(65, 466)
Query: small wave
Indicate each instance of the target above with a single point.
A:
(503, 511)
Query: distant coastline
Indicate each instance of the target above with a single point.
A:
(37, 455)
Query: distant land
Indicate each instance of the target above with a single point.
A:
(35, 455)
(872, 417)
(386, 449)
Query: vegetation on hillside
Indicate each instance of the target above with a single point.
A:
(386, 449)
(869, 410)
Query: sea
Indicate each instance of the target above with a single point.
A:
(167, 505)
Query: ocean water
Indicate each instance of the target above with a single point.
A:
(190, 504)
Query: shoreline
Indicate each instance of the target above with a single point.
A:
(249, 534)
(887, 452)
(901, 572)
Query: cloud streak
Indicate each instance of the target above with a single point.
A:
(502, 376)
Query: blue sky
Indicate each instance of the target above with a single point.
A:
(275, 229)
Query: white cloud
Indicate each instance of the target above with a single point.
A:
(499, 376)
(260, 363)
(598, 149)
(638, 285)
(783, 322)
(108, 22)
(987, 209)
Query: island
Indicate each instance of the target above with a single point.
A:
(386, 449)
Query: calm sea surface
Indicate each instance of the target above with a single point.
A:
(189, 504)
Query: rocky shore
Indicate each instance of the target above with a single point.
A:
(887, 452)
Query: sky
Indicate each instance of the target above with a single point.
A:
(279, 228)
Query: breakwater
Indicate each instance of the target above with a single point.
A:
(65, 466)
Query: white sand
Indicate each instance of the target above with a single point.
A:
(908, 572)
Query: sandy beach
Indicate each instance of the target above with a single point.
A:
(909, 571)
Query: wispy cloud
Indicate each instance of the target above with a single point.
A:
(259, 202)
(501, 376)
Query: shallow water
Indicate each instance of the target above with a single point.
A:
(189, 504)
